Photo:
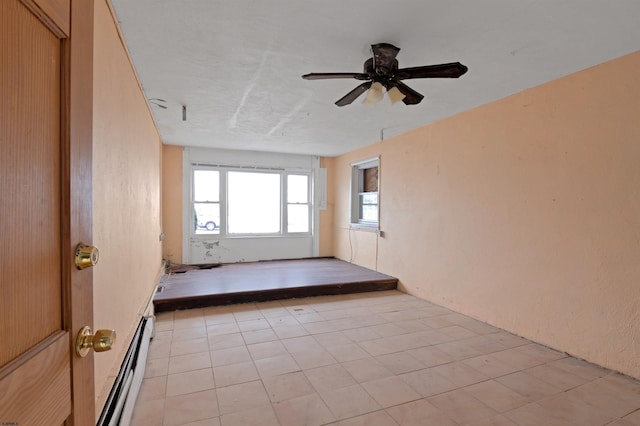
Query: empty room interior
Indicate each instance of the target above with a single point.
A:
(309, 213)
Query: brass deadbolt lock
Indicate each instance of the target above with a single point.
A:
(101, 341)
(86, 256)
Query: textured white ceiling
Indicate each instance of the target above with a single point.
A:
(237, 64)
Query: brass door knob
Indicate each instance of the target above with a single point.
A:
(101, 341)
(86, 256)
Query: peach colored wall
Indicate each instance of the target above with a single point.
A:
(172, 203)
(524, 213)
(326, 216)
(126, 198)
(352, 244)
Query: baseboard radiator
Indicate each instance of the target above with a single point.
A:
(118, 409)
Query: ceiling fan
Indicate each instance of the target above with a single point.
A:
(381, 70)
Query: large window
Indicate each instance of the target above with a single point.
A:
(232, 202)
(364, 193)
(254, 203)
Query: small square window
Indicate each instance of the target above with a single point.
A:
(364, 193)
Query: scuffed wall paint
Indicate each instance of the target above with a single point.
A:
(126, 199)
(524, 213)
(248, 249)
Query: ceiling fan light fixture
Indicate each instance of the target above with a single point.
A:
(374, 94)
(395, 95)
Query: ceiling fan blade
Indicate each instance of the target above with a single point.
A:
(327, 75)
(384, 55)
(411, 97)
(353, 95)
(451, 70)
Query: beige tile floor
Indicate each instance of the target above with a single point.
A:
(383, 358)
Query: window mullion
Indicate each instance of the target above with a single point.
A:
(224, 212)
(284, 203)
(310, 196)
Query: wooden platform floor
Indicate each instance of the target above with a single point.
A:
(262, 281)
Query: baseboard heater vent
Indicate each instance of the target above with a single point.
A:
(118, 409)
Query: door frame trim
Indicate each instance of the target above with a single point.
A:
(77, 198)
(54, 14)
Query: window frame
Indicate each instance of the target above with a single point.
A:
(286, 203)
(221, 199)
(227, 209)
(224, 201)
(357, 191)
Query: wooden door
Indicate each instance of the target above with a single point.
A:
(45, 210)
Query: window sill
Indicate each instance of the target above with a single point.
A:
(365, 227)
(247, 236)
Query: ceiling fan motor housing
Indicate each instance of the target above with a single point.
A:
(384, 58)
